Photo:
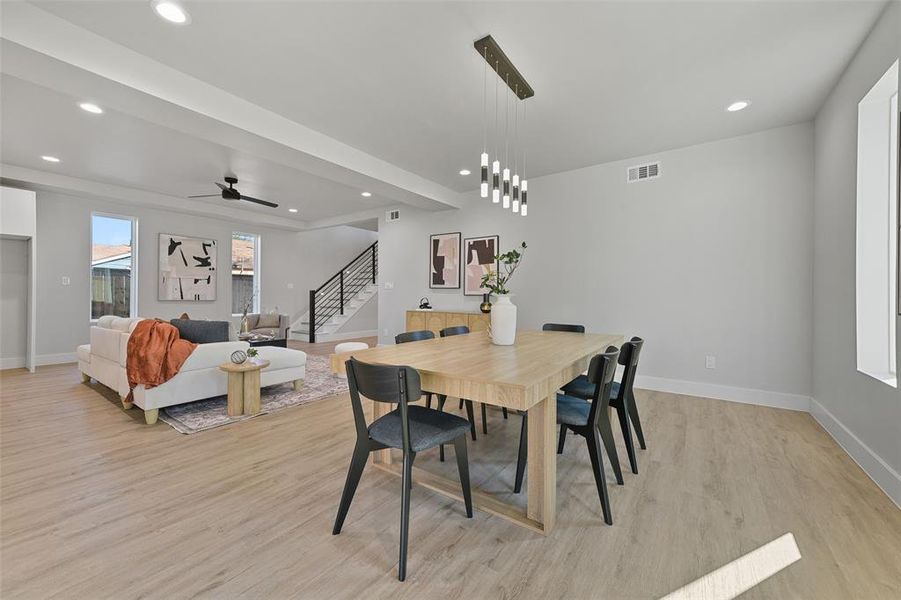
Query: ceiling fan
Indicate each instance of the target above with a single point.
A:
(230, 193)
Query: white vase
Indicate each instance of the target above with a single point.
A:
(503, 321)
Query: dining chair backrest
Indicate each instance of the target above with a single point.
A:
(628, 358)
(601, 370)
(563, 327)
(413, 336)
(458, 330)
(382, 383)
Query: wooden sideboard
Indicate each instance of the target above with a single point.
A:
(436, 320)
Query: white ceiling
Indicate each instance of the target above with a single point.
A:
(121, 149)
(402, 82)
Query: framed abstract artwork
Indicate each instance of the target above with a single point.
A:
(444, 261)
(478, 260)
(187, 268)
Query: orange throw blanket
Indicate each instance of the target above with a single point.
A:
(156, 352)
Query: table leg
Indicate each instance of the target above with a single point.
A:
(542, 464)
(235, 394)
(381, 457)
(252, 392)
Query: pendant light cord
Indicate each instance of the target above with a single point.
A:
(485, 102)
(506, 127)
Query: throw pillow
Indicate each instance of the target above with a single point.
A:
(267, 320)
(202, 332)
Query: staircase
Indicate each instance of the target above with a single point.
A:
(334, 302)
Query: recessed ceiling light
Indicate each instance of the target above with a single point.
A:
(52, 159)
(292, 210)
(737, 106)
(366, 194)
(465, 171)
(91, 108)
(171, 11)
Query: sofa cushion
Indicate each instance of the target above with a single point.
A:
(270, 319)
(209, 356)
(202, 332)
(282, 358)
(105, 343)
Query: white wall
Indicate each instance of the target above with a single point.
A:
(64, 228)
(862, 413)
(713, 258)
(13, 302)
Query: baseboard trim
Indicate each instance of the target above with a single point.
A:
(724, 392)
(55, 359)
(882, 474)
(16, 362)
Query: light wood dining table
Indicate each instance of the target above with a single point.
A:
(524, 376)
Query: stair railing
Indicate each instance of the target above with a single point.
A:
(331, 297)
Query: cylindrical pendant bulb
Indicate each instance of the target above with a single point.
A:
(496, 181)
(483, 189)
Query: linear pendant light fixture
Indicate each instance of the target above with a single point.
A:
(512, 186)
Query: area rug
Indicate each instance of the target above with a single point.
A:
(319, 383)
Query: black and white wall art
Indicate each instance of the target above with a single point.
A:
(479, 259)
(187, 268)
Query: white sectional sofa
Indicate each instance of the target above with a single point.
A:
(105, 359)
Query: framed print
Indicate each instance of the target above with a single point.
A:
(479, 260)
(444, 261)
(187, 268)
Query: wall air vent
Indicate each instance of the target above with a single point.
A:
(643, 172)
(392, 215)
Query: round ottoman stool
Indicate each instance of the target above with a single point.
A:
(349, 347)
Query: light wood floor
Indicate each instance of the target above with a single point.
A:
(97, 505)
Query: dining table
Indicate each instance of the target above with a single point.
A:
(524, 376)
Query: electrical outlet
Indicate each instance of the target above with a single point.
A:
(711, 362)
(66, 280)
(290, 286)
(389, 285)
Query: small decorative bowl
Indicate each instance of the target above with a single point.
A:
(238, 357)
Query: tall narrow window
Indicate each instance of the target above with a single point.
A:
(114, 276)
(245, 273)
(877, 229)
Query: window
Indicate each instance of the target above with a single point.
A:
(114, 277)
(245, 273)
(877, 229)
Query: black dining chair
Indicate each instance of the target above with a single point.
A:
(622, 398)
(415, 336)
(448, 332)
(563, 327)
(409, 427)
(588, 419)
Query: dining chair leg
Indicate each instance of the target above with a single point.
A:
(441, 400)
(597, 467)
(484, 419)
(636, 422)
(562, 439)
(622, 413)
(472, 419)
(504, 411)
(607, 436)
(428, 400)
(463, 467)
(523, 453)
(405, 515)
(461, 404)
(354, 472)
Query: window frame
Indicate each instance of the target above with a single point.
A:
(133, 280)
(257, 271)
(877, 205)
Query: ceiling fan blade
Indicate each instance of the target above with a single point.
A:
(221, 186)
(258, 201)
(207, 196)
